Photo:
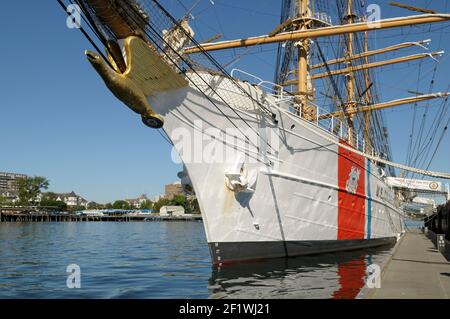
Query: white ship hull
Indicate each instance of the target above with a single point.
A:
(298, 201)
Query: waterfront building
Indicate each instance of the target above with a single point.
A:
(71, 199)
(166, 211)
(174, 189)
(8, 184)
(137, 202)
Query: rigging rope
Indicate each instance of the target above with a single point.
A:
(182, 71)
(334, 85)
(86, 35)
(205, 53)
(380, 160)
(439, 142)
(371, 157)
(419, 151)
(210, 87)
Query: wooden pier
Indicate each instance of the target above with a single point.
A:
(23, 216)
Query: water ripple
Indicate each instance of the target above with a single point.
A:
(159, 260)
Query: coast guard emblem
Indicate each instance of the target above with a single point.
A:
(352, 182)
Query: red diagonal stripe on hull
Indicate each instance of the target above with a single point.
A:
(351, 205)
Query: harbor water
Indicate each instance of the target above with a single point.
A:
(161, 260)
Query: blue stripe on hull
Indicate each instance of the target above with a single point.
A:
(369, 201)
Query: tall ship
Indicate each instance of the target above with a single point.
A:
(279, 167)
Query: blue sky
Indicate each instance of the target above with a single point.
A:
(59, 121)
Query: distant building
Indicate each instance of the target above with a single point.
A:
(173, 189)
(171, 211)
(137, 202)
(71, 199)
(8, 184)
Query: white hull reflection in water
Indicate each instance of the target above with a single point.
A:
(337, 276)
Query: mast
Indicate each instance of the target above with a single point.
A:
(350, 105)
(304, 11)
(297, 27)
(368, 96)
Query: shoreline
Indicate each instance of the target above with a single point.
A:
(49, 217)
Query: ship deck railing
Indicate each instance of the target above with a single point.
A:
(331, 124)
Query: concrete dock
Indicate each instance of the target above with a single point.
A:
(416, 270)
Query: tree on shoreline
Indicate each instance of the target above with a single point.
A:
(146, 205)
(190, 205)
(4, 201)
(160, 203)
(29, 188)
(95, 205)
(50, 199)
(121, 204)
(195, 208)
